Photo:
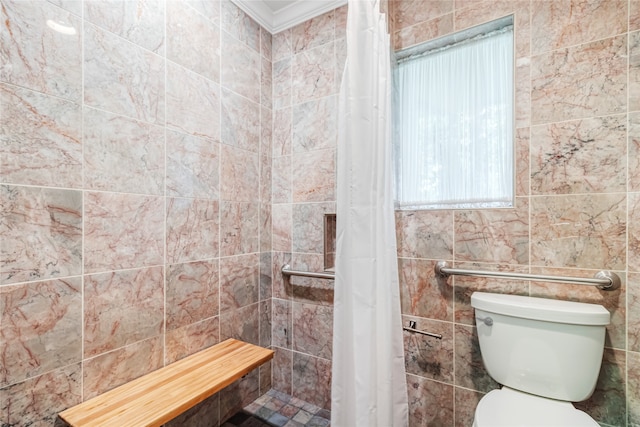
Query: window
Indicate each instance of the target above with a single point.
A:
(454, 146)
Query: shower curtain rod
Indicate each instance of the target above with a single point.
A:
(604, 280)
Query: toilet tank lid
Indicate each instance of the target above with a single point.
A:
(549, 310)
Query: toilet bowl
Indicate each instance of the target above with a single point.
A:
(545, 353)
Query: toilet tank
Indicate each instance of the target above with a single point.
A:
(541, 346)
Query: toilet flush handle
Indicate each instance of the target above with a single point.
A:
(486, 320)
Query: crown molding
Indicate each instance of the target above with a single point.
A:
(289, 16)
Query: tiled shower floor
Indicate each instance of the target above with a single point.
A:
(276, 409)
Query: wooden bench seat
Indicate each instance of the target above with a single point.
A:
(161, 395)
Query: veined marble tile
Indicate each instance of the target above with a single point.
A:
(585, 156)
(52, 220)
(315, 125)
(281, 220)
(122, 231)
(310, 290)
(37, 57)
(425, 234)
(633, 263)
(313, 329)
(192, 229)
(281, 323)
(37, 401)
(239, 281)
(265, 323)
(634, 71)
(282, 126)
(469, 368)
(426, 356)
(121, 154)
(308, 226)
(265, 225)
(281, 370)
(41, 328)
(422, 293)
(240, 68)
(241, 324)
(313, 74)
(208, 8)
(239, 225)
(193, 166)
(73, 6)
(313, 32)
(192, 293)
(193, 103)
(191, 338)
(465, 402)
(109, 370)
(266, 132)
(282, 45)
(581, 81)
(239, 394)
(240, 122)
(281, 287)
(634, 151)
(431, 402)
(139, 21)
(193, 40)
(266, 44)
(266, 81)
(341, 21)
(240, 25)
(558, 24)
(523, 168)
(266, 276)
(633, 387)
(281, 83)
(423, 31)
(265, 178)
(121, 308)
(633, 314)
(411, 12)
(313, 176)
(311, 380)
(207, 411)
(41, 139)
(123, 78)
(584, 231)
(523, 92)
(634, 15)
(281, 179)
(240, 174)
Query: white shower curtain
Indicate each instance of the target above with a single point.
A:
(368, 379)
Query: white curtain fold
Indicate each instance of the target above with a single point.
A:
(368, 379)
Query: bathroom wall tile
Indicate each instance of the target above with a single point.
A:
(265, 377)
(240, 122)
(266, 172)
(633, 388)
(239, 394)
(240, 68)
(138, 21)
(239, 225)
(465, 286)
(241, 324)
(310, 290)
(281, 287)
(282, 45)
(121, 308)
(281, 223)
(37, 401)
(634, 152)
(282, 83)
(265, 323)
(465, 406)
(581, 81)
(281, 323)
(122, 231)
(584, 231)
(239, 281)
(315, 125)
(523, 92)
(191, 338)
(209, 8)
(265, 225)
(565, 23)
(37, 57)
(266, 81)
(431, 402)
(634, 15)
(281, 370)
(313, 329)
(493, 235)
(341, 60)
(192, 229)
(311, 380)
(42, 139)
(207, 411)
(313, 176)
(313, 32)
(407, 13)
(282, 126)
(634, 71)
(423, 31)
(523, 174)
(121, 154)
(53, 221)
(425, 234)
(341, 21)
(633, 316)
(426, 356)
(73, 6)
(608, 403)
(109, 370)
(614, 301)
(193, 41)
(240, 25)
(266, 132)
(308, 226)
(239, 174)
(266, 275)
(313, 74)
(193, 166)
(281, 179)
(193, 103)
(469, 369)
(584, 156)
(122, 78)
(192, 293)
(41, 327)
(421, 293)
(266, 44)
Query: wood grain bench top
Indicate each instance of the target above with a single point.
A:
(161, 395)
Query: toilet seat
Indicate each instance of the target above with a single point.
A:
(511, 408)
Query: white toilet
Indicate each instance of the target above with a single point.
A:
(545, 354)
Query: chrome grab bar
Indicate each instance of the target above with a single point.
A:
(604, 280)
(287, 271)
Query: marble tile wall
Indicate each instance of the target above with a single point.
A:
(135, 197)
